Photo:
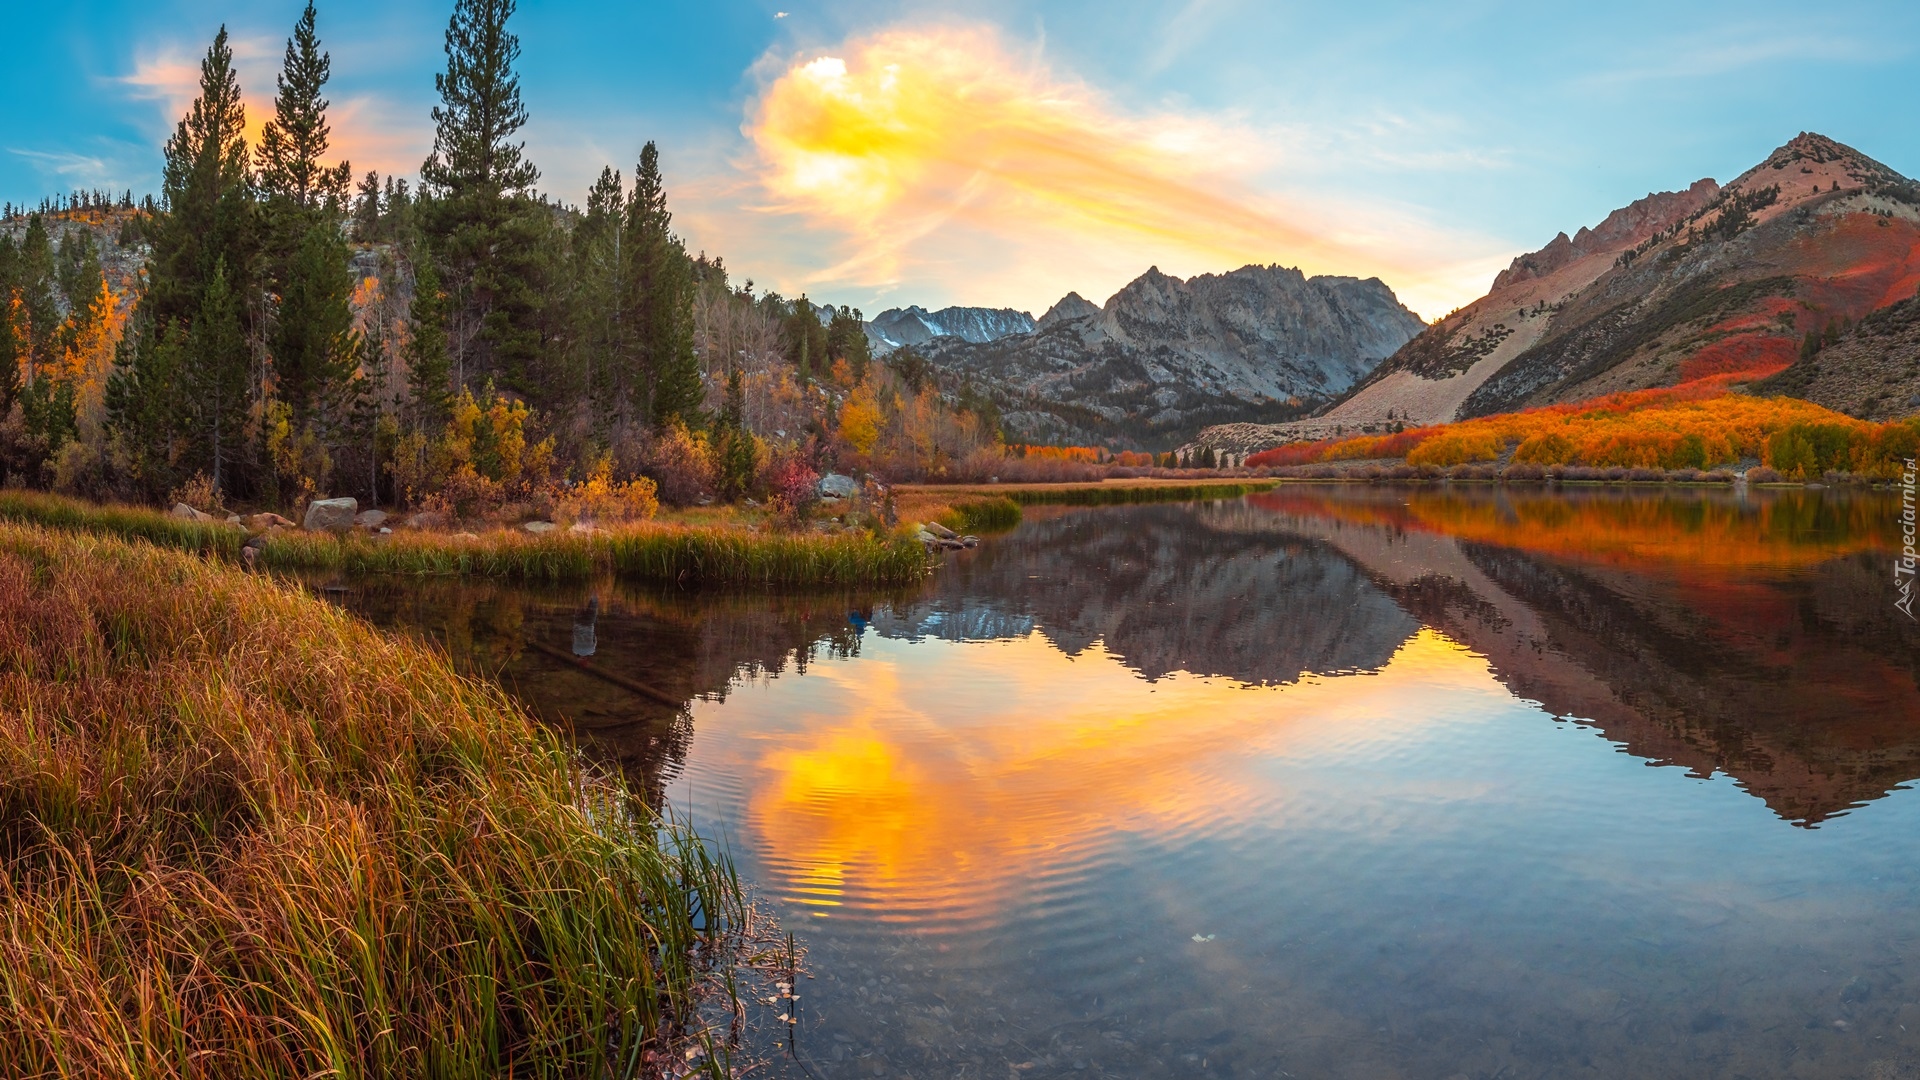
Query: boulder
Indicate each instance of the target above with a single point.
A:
(371, 519)
(428, 519)
(188, 513)
(268, 521)
(335, 515)
(837, 486)
(539, 527)
(940, 531)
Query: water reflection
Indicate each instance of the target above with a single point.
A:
(1326, 782)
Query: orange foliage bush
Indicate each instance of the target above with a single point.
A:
(1696, 425)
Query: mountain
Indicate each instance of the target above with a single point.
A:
(1165, 357)
(916, 325)
(1710, 281)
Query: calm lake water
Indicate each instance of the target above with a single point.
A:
(1326, 782)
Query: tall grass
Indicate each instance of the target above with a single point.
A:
(130, 522)
(992, 513)
(711, 555)
(243, 834)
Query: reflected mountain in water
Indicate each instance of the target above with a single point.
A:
(1757, 640)
(1748, 635)
(1168, 588)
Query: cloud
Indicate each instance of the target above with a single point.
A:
(80, 170)
(364, 130)
(941, 154)
(1725, 53)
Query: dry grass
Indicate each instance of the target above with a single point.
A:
(245, 835)
(723, 553)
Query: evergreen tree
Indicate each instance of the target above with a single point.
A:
(366, 209)
(13, 346)
(37, 287)
(141, 397)
(207, 194)
(314, 343)
(598, 339)
(479, 217)
(658, 310)
(294, 141)
(736, 456)
(428, 368)
(847, 340)
(218, 379)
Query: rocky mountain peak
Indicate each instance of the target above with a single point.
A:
(1070, 306)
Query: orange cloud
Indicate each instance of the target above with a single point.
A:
(943, 152)
(361, 131)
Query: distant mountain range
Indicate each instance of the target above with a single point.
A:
(1708, 281)
(1163, 357)
(895, 327)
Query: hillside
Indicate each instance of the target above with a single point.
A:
(1723, 281)
(1165, 356)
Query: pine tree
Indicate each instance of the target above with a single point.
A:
(13, 345)
(598, 340)
(218, 378)
(142, 392)
(207, 194)
(366, 209)
(294, 141)
(736, 456)
(477, 178)
(658, 309)
(314, 343)
(38, 316)
(428, 369)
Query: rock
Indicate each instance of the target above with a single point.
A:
(427, 519)
(268, 521)
(372, 519)
(234, 519)
(539, 528)
(188, 513)
(386, 532)
(582, 527)
(970, 541)
(335, 515)
(940, 530)
(926, 537)
(837, 486)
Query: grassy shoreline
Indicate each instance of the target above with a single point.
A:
(996, 507)
(689, 555)
(242, 833)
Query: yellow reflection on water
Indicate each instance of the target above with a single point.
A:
(926, 783)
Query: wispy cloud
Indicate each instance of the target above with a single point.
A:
(1730, 50)
(944, 153)
(79, 170)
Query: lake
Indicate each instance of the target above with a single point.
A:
(1324, 782)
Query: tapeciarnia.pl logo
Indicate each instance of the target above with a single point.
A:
(1903, 567)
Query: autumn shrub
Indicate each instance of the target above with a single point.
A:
(198, 492)
(791, 483)
(680, 463)
(600, 499)
(1760, 474)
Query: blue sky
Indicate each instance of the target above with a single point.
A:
(1001, 153)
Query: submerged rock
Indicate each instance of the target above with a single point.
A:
(335, 515)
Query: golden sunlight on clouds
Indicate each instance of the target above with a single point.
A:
(360, 132)
(931, 795)
(942, 151)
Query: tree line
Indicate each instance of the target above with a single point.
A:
(295, 332)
